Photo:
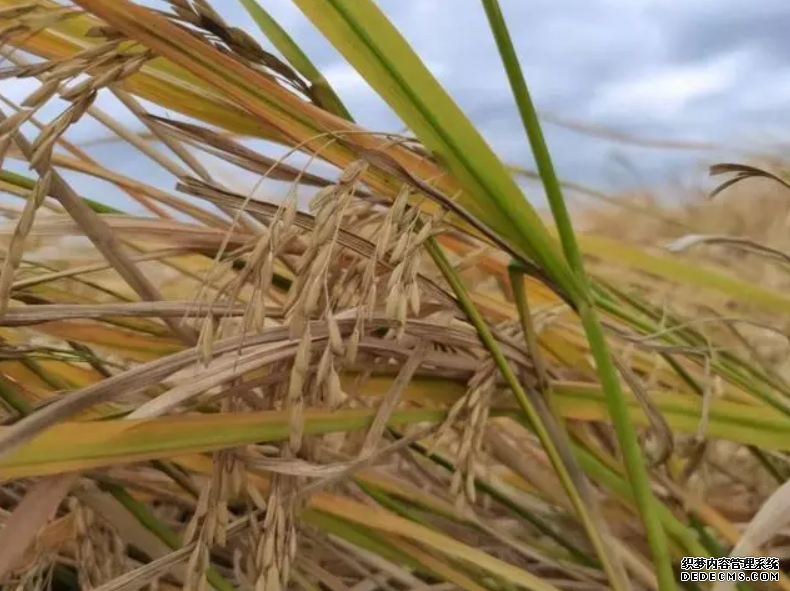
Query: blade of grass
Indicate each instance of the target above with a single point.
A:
(446, 545)
(148, 520)
(542, 423)
(70, 446)
(37, 507)
(618, 408)
(323, 91)
(684, 273)
(28, 183)
(511, 504)
(102, 237)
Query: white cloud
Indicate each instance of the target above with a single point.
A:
(668, 91)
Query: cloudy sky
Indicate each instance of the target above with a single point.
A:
(697, 70)
(704, 70)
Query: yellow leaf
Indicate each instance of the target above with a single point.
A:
(132, 345)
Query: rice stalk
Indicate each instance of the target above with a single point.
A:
(342, 411)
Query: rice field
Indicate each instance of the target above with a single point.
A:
(399, 374)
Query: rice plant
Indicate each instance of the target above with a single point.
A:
(397, 374)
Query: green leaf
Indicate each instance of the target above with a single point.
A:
(322, 90)
(618, 409)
